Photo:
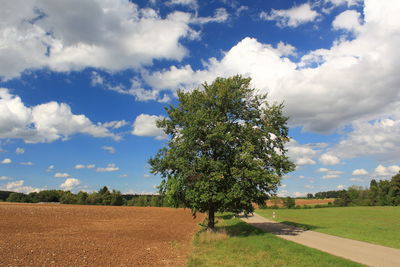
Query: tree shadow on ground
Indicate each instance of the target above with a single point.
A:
(243, 229)
(238, 228)
(302, 225)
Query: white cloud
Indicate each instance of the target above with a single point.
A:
(123, 175)
(50, 168)
(18, 186)
(5, 178)
(110, 168)
(79, 166)
(299, 194)
(96, 79)
(19, 150)
(388, 171)
(380, 138)
(292, 17)
(145, 125)
(369, 62)
(115, 124)
(304, 161)
(111, 35)
(322, 170)
(82, 166)
(191, 3)
(300, 154)
(43, 123)
(70, 184)
(27, 163)
(286, 49)
(329, 159)
(358, 180)
(61, 175)
(110, 149)
(342, 2)
(6, 161)
(330, 176)
(349, 20)
(340, 187)
(360, 172)
(220, 15)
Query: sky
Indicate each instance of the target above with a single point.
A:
(82, 83)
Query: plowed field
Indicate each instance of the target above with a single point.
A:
(72, 235)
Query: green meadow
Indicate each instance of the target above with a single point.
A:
(379, 225)
(238, 244)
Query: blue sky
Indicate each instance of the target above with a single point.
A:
(83, 82)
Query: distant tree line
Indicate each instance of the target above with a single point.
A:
(379, 193)
(102, 197)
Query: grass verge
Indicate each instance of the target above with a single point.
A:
(239, 244)
(378, 225)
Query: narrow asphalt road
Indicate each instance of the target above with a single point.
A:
(362, 252)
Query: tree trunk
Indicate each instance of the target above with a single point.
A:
(211, 219)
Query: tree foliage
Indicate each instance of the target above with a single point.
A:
(379, 193)
(226, 148)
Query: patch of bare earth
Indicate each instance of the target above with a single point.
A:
(72, 235)
(300, 202)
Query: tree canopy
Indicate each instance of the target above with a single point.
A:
(226, 148)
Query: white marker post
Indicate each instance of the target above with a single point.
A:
(273, 214)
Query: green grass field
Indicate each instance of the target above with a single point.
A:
(378, 225)
(239, 244)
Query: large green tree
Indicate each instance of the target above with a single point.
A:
(226, 148)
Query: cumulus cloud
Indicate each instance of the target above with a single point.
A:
(145, 125)
(301, 154)
(367, 64)
(340, 187)
(329, 159)
(329, 174)
(19, 150)
(110, 168)
(136, 90)
(111, 35)
(61, 175)
(348, 20)
(110, 149)
(380, 138)
(43, 123)
(191, 3)
(50, 168)
(6, 161)
(292, 17)
(342, 2)
(81, 166)
(70, 184)
(360, 172)
(388, 171)
(115, 124)
(220, 15)
(5, 178)
(18, 186)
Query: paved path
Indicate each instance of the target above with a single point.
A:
(362, 252)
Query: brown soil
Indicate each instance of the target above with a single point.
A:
(72, 235)
(302, 202)
(299, 202)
